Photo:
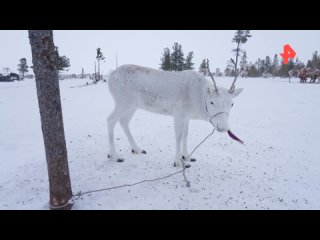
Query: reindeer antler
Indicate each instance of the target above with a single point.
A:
(214, 82)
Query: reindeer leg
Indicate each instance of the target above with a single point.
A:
(178, 132)
(178, 127)
(185, 153)
(124, 122)
(112, 120)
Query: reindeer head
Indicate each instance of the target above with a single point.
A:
(219, 103)
(218, 107)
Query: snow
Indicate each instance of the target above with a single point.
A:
(276, 168)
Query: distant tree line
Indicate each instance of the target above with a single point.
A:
(273, 66)
(175, 60)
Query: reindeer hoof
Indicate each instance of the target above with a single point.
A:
(190, 159)
(187, 166)
(120, 160)
(143, 151)
(177, 164)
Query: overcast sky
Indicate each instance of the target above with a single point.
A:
(144, 47)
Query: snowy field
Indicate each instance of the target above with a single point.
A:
(277, 168)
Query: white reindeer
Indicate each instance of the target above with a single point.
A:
(184, 95)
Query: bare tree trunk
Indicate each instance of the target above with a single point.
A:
(45, 69)
(95, 71)
(236, 65)
(98, 69)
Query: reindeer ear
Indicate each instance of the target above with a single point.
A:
(237, 92)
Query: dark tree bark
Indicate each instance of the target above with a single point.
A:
(44, 61)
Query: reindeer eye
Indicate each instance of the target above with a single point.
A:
(211, 103)
(232, 105)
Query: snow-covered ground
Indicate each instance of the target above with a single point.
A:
(277, 168)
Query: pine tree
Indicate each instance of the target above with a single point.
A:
(203, 68)
(189, 64)
(262, 66)
(229, 71)
(243, 61)
(240, 37)
(258, 66)
(253, 71)
(63, 61)
(267, 64)
(177, 58)
(23, 67)
(285, 68)
(175, 61)
(315, 61)
(166, 60)
(298, 64)
(291, 65)
(275, 65)
(258, 63)
(309, 64)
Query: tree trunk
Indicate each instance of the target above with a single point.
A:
(236, 66)
(95, 71)
(44, 61)
(98, 70)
